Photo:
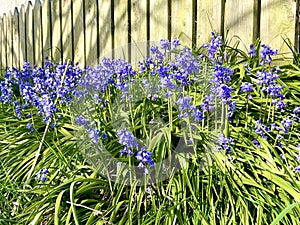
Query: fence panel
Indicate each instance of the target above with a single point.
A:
(9, 39)
(56, 30)
(277, 22)
(1, 54)
(66, 16)
(139, 32)
(158, 20)
(78, 34)
(38, 49)
(29, 34)
(209, 13)
(121, 25)
(22, 37)
(91, 34)
(16, 42)
(182, 21)
(239, 24)
(105, 28)
(46, 29)
(4, 46)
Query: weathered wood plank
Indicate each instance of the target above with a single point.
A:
(37, 32)
(278, 22)
(22, 37)
(158, 20)
(16, 42)
(91, 34)
(56, 30)
(9, 40)
(1, 43)
(29, 34)
(121, 40)
(138, 32)
(66, 15)
(46, 25)
(240, 23)
(105, 28)
(182, 21)
(208, 19)
(78, 32)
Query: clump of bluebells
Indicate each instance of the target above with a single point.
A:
(41, 175)
(43, 88)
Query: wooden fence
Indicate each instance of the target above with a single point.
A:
(84, 30)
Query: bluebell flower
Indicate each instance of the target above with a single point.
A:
(247, 87)
(266, 53)
(42, 174)
(252, 51)
(175, 43)
(286, 123)
(93, 134)
(261, 129)
(126, 138)
(30, 127)
(256, 143)
(297, 169)
(224, 143)
(165, 44)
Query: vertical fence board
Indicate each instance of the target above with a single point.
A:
(66, 15)
(239, 24)
(22, 37)
(277, 22)
(121, 41)
(46, 25)
(104, 28)
(78, 32)
(29, 34)
(16, 42)
(182, 21)
(91, 32)
(38, 50)
(9, 39)
(138, 30)
(1, 65)
(158, 20)
(4, 48)
(208, 19)
(56, 30)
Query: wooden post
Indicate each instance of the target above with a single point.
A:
(29, 34)
(16, 42)
(46, 30)
(105, 28)
(78, 33)
(208, 19)
(4, 42)
(158, 20)
(22, 37)
(182, 21)
(38, 50)
(278, 23)
(240, 23)
(56, 31)
(9, 40)
(91, 34)
(66, 16)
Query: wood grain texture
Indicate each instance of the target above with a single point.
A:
(4, 46)
(38, 49)
(9, 40)
(182, 21)
(29, 34)
(138, 34)
(56, 31)
(1, 44)
(105, 28)
(208, 19)
(121, 41)
(22, 37)
(91, 34)
(46, 30)
(78, 33)
(66, 17)
(16, 42)
(278, 22)
(239, 24)
(158, 20)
